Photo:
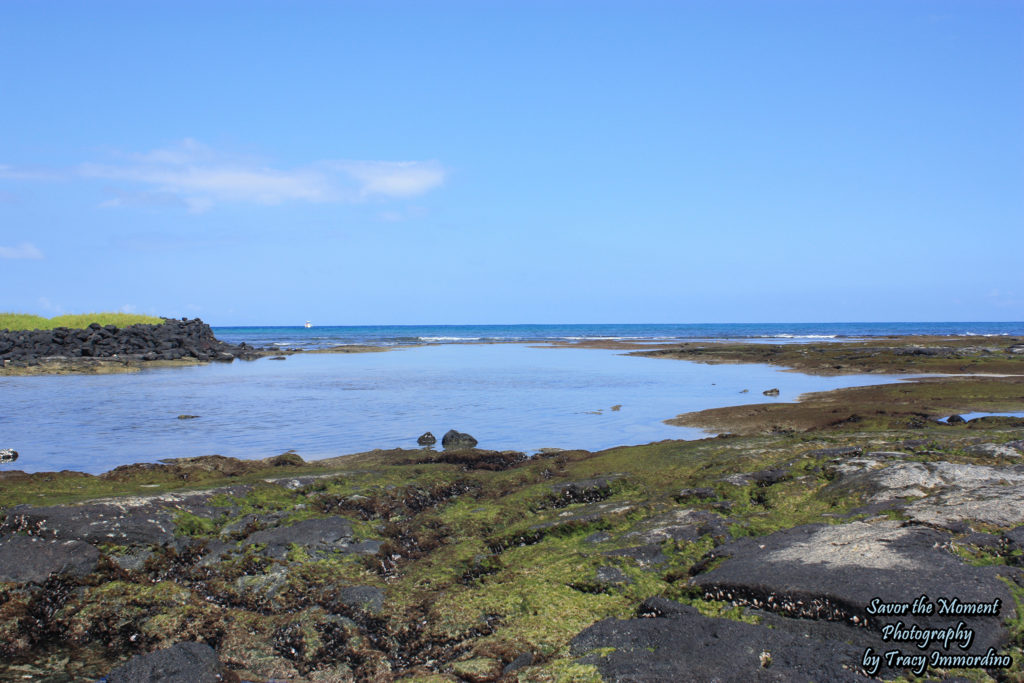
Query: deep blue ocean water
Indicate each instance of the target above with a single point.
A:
(509, 396)
(396, 335)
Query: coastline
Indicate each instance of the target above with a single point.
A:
(477, 565)
(441, 565)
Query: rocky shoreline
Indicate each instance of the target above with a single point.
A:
(727, 558)
(109, 348)
(847, 537)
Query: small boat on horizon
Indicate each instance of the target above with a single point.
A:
(309, 324)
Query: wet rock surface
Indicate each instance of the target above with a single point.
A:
(92, 523)
(673, 642)
(316, 536)
(455, 440)
(836, 572)
(26, 559)
(180, 663)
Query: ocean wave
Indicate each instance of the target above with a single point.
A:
(803, 336)
(437, 339)
(594, 338)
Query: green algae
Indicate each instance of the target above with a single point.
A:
(476, 567)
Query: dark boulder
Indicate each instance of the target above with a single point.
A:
(8, 455)
(955, 420)
(27, 559)
(771, 392)
(180, 663)
(427, 439)
(455, 440)
(286, 459)
(173, 340)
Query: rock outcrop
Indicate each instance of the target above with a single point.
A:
(455, 440)
(173, 340)
(180, 663)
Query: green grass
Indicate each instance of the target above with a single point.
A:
(26, 321)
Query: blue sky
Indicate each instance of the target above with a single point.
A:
(514, 162)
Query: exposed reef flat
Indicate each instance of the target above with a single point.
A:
(909, 404)
(890, 355)
(792, 552)
(988, 377)
(729, 558)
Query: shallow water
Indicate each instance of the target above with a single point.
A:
(971, 416)
(509, 396)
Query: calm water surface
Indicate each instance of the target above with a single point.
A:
(509, 396)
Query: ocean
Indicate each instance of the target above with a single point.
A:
(399, 335)
(511, 395)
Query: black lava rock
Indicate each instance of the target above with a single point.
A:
(180, 663)
(173, 340)
(455, 440)
(27, 559)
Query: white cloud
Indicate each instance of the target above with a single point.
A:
(393, 178)
(193, 174)
(22, 251)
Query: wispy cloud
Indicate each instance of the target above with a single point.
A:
(8, 172)
(22, 251)
(198, 177)
(392, 178)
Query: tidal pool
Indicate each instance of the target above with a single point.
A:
(508, 396)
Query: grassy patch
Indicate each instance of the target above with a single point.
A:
(25, 321)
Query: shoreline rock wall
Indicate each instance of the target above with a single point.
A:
(173, 340)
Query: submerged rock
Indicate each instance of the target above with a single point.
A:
(454, 440)
(180, 663)
(771, 392)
